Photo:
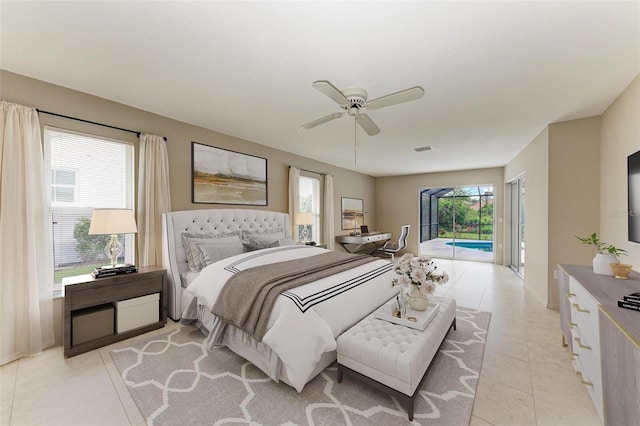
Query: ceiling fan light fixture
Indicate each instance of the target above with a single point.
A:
(422, 148)
(354, 102)
(353, 111)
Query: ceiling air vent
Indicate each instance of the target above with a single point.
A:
(422, 148)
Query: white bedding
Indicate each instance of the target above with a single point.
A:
(305, 321)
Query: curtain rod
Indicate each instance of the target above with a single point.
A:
(137, 133)
(311, 171)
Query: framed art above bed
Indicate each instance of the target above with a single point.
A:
(221, 176)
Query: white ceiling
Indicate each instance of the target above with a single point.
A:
(495, 73)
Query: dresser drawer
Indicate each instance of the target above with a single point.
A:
(592, 383)
(587, 350)
(584, 309)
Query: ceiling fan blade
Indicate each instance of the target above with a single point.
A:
(396, 98)
(331, 91)
(367, 124)
(322, 120)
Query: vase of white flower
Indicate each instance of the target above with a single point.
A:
(418, 277)
(417, 300)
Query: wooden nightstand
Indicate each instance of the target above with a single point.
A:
(92, 304)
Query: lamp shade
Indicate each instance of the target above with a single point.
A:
(305, 218)
(112, 221)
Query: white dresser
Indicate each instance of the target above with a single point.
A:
(604, 340)
(585, 340)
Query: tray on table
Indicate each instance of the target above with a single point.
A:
(423, 318)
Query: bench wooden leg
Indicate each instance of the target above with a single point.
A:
(454, 324)
(340, 373)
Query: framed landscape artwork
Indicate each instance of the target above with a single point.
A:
(221, 176)
(352, 213)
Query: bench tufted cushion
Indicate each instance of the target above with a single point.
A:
(392, 354)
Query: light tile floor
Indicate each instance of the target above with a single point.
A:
(526, 377)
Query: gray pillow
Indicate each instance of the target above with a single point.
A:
(253, 245)
(210, 253)
(190, 242)
(269, 235)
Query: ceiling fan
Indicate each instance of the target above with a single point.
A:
(354, 102)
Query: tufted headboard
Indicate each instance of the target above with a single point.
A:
(174, 257)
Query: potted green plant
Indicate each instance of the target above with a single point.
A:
(605, 254)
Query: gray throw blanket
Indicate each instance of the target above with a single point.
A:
(248, 297)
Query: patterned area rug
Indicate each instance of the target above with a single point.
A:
(175, 381)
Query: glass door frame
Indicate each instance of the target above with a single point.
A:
(516, 190)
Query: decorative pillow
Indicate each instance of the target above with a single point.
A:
(210, 253)
(190, 242)
(253, 245)
(269, 235)
(286, 242)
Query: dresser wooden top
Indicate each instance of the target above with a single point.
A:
(607, 291)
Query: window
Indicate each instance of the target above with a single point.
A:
(63, 186)
(310, 202)
(85, 172)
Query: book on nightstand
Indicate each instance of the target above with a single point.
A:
(629, 305)
(108, 271)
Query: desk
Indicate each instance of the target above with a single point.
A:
(364, 243)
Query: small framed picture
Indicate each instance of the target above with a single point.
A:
(352, 213)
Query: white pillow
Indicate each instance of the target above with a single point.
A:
(188, 277)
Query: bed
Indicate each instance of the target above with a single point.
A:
(300, 338)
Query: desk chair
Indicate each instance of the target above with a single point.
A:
(395, 246)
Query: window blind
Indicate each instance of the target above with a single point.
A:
(85, 172)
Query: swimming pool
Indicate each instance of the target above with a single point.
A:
(476, 245)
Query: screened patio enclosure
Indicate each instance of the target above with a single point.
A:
(457, 222)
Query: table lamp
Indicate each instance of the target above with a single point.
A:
(304, 219)
(113, 222)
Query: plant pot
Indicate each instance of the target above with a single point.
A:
(417, 300)
(601, 264)
(620, 270)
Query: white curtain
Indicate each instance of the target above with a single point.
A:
(294, 200)
(328, 214)
(26, 265)
(153, 198)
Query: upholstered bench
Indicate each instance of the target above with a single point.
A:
(393, 357)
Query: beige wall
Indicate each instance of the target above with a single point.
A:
(49, 97)
(576, 184)
(398, 200)
(574, 194)
(620, 137)
(533, 163)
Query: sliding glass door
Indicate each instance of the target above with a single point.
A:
(457, 222)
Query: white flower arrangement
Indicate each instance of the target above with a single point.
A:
(418, 271)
